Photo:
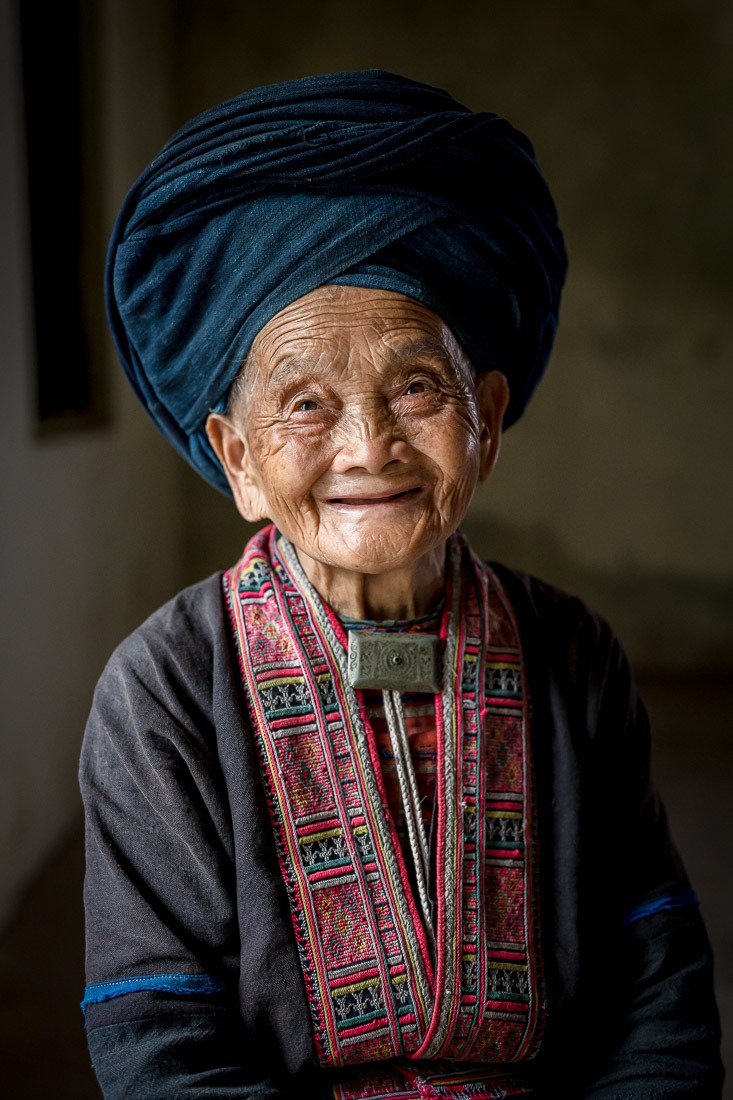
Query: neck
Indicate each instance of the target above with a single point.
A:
(404, 593)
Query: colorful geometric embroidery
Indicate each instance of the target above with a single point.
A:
(403, 1080)
(374, 989)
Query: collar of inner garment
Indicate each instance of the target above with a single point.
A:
(424, 624)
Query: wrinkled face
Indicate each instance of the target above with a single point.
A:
(360, 430)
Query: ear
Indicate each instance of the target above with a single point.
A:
(230, 444)
(492, 396)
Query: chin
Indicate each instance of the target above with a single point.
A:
(381, 552)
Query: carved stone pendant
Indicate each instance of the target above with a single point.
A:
(394, 662)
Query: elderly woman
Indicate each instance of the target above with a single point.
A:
(368, 817)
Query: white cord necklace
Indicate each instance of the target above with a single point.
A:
(395, 663)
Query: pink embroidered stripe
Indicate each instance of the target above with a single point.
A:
(376, 993)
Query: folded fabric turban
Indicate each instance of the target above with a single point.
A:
(363, 178)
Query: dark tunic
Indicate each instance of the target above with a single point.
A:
(182, 876)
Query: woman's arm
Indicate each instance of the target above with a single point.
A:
(653, 963)
(163, 944)
(190, 1050)
(633, 1013)
(667, 1037)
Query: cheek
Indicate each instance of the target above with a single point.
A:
(289, 467)
(454, 451)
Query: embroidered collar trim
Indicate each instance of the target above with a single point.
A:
(372, 989)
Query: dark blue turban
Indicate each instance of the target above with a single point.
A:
(363, 178)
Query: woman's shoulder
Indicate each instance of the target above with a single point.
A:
(189, 622)
(172, 657)
(570, 638)
(552, 607)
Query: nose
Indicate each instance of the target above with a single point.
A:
(370, 441)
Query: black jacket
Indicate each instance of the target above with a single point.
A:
(182, 877)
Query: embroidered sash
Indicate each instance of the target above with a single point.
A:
(372, 987)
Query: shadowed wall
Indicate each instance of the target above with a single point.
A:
(616, 484)
(91, 519)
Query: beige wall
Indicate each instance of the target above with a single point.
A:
(617, 484)
(91, 521)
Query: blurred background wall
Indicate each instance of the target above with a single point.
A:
(91, 519)
(616, 484)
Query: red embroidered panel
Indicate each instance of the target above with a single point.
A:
(373, 992)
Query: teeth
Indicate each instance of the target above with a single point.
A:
(371, 500)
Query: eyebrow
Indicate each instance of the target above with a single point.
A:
(431, 349)
(411, 350)
(290, 363)
(422, 349)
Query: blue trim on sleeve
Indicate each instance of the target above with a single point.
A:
(656, 905)
(159, 983)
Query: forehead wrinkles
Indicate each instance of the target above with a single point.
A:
(308, 331)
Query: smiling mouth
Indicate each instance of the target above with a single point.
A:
(376, 498)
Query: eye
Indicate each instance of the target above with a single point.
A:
(419, 385)
(308, 404)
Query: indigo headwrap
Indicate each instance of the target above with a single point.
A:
(364, 178)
